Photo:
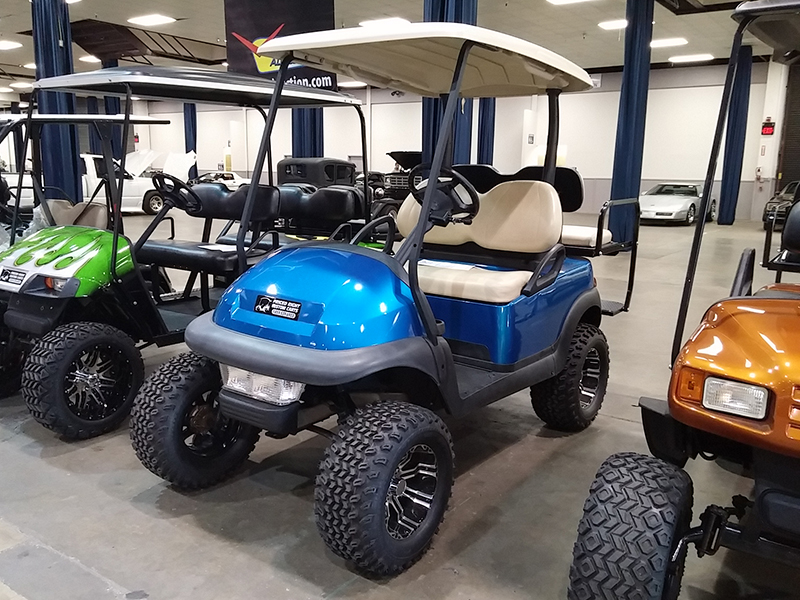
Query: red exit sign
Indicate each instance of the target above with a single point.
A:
(767, 128)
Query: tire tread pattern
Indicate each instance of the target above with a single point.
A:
(627, 531)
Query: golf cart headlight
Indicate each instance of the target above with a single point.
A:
(261, 387)
(45, 285)
(57, 284)
(735, 398)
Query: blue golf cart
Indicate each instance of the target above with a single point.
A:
(482, 300)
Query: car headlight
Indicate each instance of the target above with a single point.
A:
(261, 387)
(736, 398)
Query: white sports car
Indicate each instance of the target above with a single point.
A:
(675, 202)
(231, 180)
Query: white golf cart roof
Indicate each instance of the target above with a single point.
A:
(421, 57)
(190, 84)
(80, 119)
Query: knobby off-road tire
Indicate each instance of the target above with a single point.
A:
(177, 429)
(571, 400)
(386, 463)
(637, 510)
(80, 379)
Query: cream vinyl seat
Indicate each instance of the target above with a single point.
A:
(522, 217)
(583, 235)
(88, 215)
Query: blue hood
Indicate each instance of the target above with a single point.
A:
(321, 297)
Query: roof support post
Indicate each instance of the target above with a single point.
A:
(190, 133)
(52, 45)
(627, 173)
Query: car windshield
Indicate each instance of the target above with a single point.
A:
(670, 189)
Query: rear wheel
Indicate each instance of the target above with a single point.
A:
(80, 379)
(691, 215)
(712, 212)
(153, 202)
(638, 509)
(571, 400)
(178, 431)
(384, 486)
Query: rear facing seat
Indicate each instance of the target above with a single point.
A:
(216, 203)
(520, 218)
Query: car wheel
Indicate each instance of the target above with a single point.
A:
(153, 203)
(712, 212)
(80, 379)
(638, 508)
(384, 486)
(571, 400)
(178, 431)
(691, 214)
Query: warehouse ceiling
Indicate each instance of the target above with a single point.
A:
(569, 29)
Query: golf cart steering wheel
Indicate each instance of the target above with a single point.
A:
(457, 209)
(176, 192)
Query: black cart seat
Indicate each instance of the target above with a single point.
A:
(217, 202)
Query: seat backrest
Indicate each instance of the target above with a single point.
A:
(217, 202)
(790, 238)
(323, 209)
(568, 182)
(514, 216)
(86, 214)
(320, 171)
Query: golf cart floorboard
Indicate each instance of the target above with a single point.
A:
(611, 308)
(479, 387)
(177, 314)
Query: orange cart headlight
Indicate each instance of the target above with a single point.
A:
(735, 398)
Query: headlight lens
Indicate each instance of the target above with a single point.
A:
(736, 398)
(261, 387)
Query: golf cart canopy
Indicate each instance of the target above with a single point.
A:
(777, 24)
(80, 119)
(190, 84)
(420, 58)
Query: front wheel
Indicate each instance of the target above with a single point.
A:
(384, 486)
(178, 431)
(571, 400)
(153, 202)
(80, 379)
(638, 509)
(691, 215)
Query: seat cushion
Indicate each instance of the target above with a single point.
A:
(216, 259)
(468, 282)
(514, 216)
(780, 291)
(583, 235)
(86, 214)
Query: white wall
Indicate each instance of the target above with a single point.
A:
(394, 127)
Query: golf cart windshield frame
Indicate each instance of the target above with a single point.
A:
(747, 14)
(198, 85)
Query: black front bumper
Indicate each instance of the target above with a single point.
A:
(666, 438)
(277, 420)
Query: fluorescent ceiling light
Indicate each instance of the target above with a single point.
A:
(31, 66)
(668, 42)
(22, 85)
(685, 58)
(351, 84)
(72, 1)
(9, 45)
(135, 98)
(5, 90)
(388, 22)
(609, 25)
(150, 20)
(566, 1)
(90, 59)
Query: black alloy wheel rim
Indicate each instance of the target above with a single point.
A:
(591, 373)
(205, 431)
(98, 382)
(411, 492)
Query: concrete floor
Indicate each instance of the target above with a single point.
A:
(84, 520)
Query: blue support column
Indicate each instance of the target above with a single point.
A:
(735, 137)
(52, 47)
(190, 133)
(452, 11)
(486, 111)
(93, 108)
(307, 133)
(627, 174)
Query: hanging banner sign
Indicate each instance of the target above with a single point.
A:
(250, 23)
